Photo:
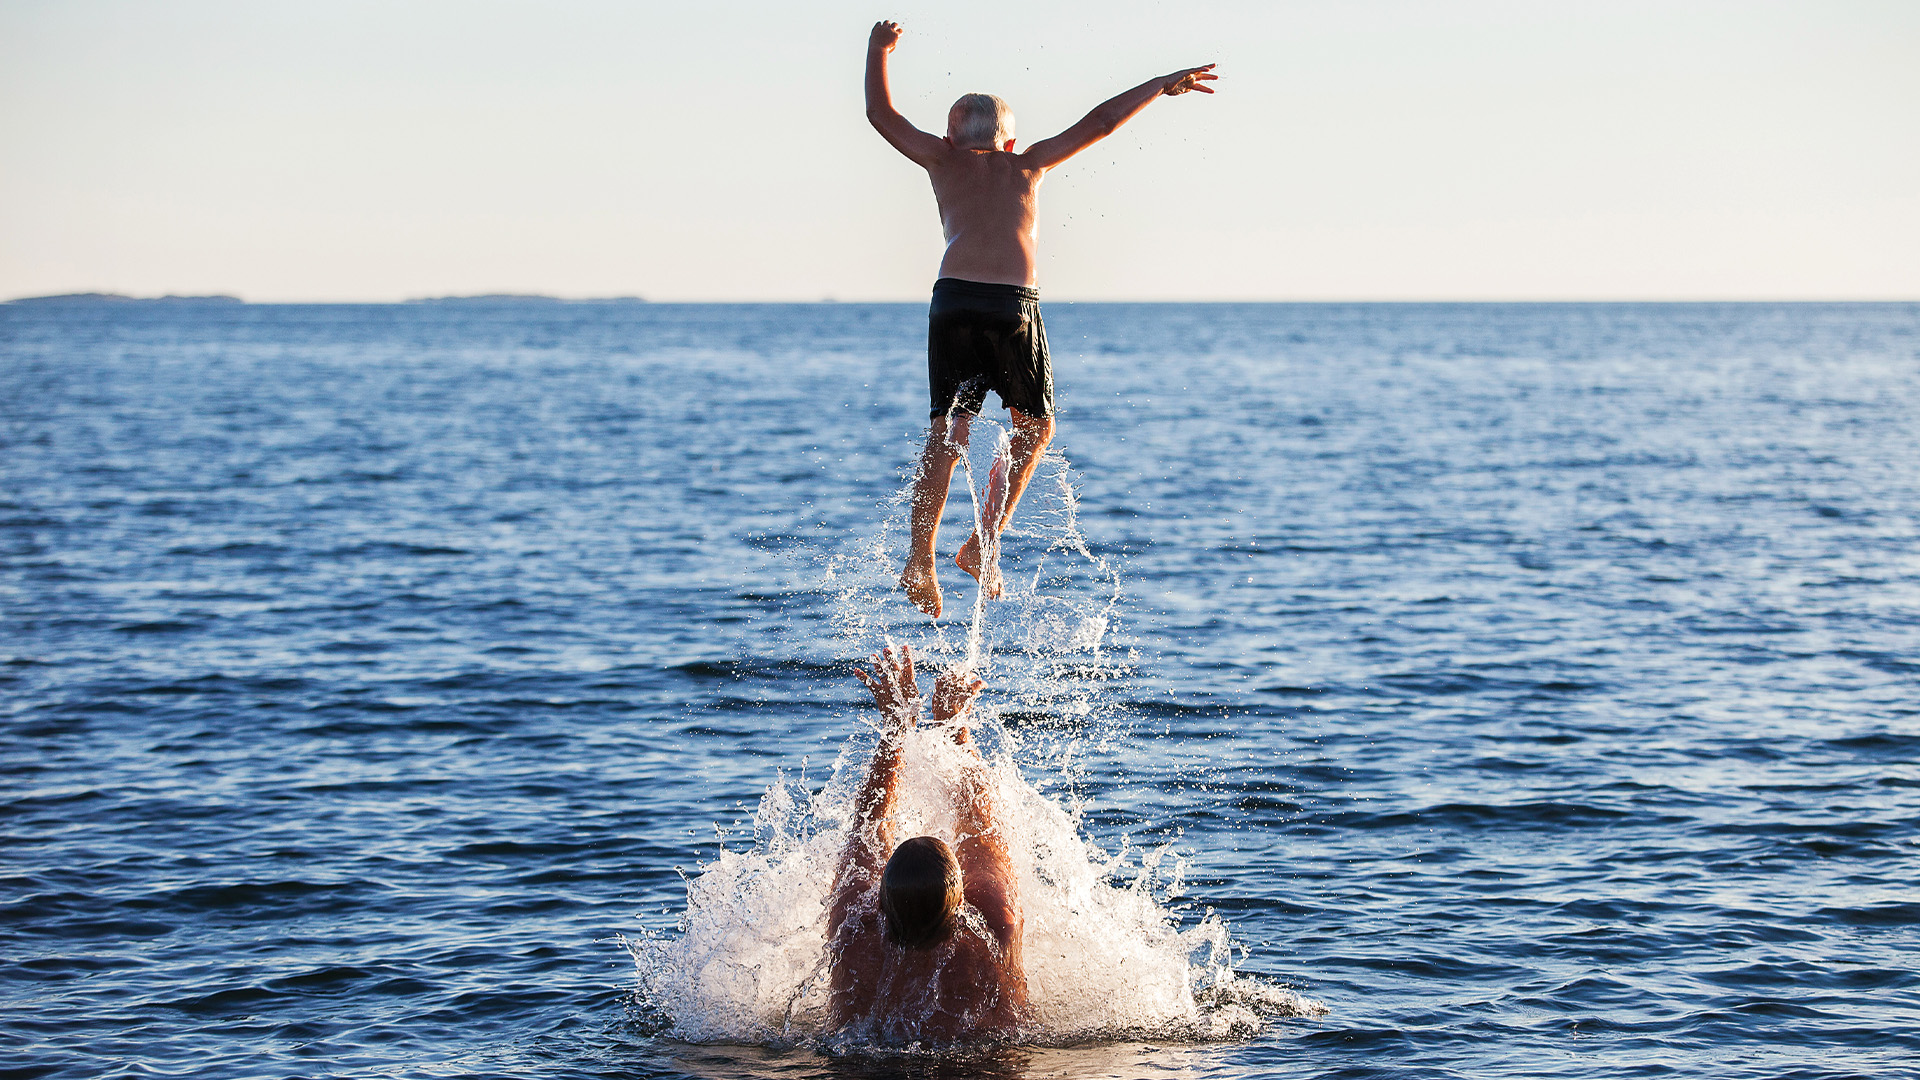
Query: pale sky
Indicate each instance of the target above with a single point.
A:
(1466, 149)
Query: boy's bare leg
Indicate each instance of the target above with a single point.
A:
(1031, 434)
(970, 557)
(945, 443)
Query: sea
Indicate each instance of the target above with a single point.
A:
(465, 689)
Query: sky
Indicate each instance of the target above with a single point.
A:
(1376, 150)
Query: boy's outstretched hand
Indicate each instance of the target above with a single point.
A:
(893, 686)
(886, 34)
(1177, 83)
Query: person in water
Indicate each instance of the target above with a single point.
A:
(924, 938)
(984, 329)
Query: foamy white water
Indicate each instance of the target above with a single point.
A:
(1108, 956)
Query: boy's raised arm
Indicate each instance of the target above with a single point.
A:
(1111, 113)
(917, 145)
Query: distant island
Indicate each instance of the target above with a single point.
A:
(487, 298)
(121, 298)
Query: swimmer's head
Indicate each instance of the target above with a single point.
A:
(980, 122)
(919, 892)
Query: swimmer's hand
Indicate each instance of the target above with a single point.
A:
(953, 695)
(893, 686)
(1182, 81)
(886, 34)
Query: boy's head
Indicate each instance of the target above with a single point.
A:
(980, 122)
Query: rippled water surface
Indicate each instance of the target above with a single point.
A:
(1536, 686)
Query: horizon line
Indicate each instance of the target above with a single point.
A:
(111, 298)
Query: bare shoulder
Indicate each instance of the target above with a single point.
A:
(946, 159)
(994, 971)
(854, 958)
(1045, 154)
(995, 896)
(1036, 158)
(851, 903)
(922, 148)
(1019, 162)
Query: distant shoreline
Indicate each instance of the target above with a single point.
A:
(484, 298)
(122, 298)
(502, 299)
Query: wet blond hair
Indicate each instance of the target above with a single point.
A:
(980, 122)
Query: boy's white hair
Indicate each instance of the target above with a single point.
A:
(980, 122)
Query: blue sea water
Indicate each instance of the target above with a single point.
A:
(1537, 687)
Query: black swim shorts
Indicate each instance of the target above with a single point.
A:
(983, 337)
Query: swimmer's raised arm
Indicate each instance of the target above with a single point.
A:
(898, 696)
(870, 841)
(922, 148)
(985, 864)
(953, 695)
(1107, 117)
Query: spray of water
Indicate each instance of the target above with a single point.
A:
(986, 530)
(1048, 646)
(1107, 956)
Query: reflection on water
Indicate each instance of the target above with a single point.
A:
(1118, 1061)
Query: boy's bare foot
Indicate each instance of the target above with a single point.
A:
(922, 585)
(968, 559)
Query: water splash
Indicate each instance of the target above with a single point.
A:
(1049, 647)
(986, 527)
(1107, 956)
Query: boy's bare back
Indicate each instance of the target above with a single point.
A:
(987, 212)
(986, 191)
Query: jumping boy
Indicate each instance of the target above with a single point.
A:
(984, 330)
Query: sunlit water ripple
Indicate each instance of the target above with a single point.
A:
(1534, 685)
